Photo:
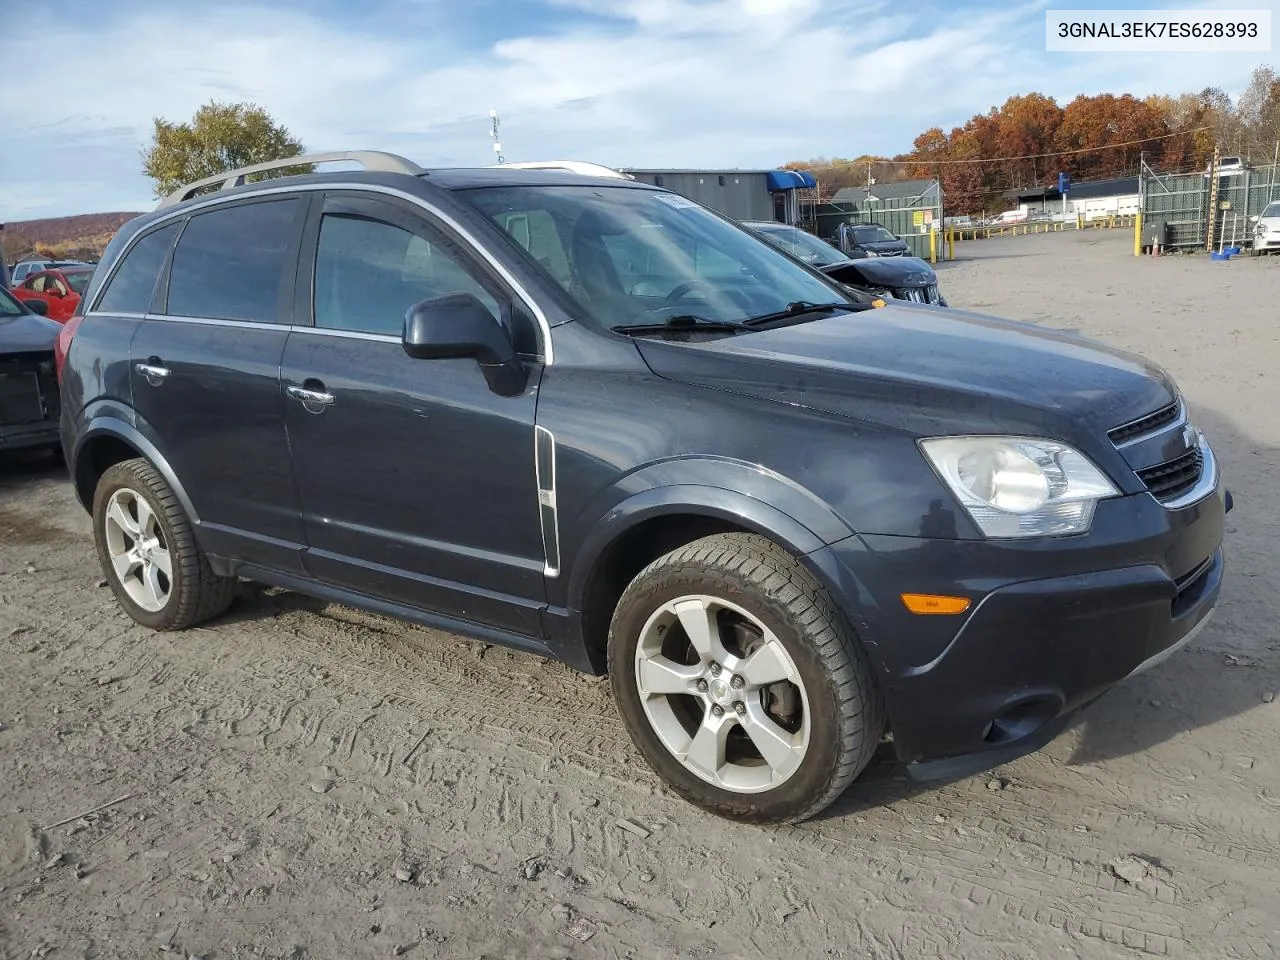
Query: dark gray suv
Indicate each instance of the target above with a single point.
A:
(595, 421)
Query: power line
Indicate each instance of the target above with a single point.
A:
(1040, 156)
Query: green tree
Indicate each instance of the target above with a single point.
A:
(220, 137)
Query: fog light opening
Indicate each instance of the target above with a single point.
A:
(1020, 720)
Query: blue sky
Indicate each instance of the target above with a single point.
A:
(745, 83)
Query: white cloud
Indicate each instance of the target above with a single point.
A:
(638, 82)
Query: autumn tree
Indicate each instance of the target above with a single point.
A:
(1258, 112)
(1091, 123)
(220, 137)
(14, 246)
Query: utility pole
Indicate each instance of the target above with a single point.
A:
(493, 135)
(1275, 162)
(1213, 197)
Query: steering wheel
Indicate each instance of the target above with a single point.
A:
(680, 291)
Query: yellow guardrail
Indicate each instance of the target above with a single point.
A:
(1109, 222)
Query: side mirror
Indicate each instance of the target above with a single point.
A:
(37, 306)
(1254, 218)
(459, 325)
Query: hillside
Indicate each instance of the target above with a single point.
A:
(79, 236)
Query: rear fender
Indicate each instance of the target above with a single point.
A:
(110, 418)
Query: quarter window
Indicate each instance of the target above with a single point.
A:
(369, 273)
(134, 283)
(230, 263)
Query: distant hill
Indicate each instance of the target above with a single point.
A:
(79, 236)
(62, 229)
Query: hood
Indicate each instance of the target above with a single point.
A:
(928, 370)
(878, 245)
(27, 333)
(887, 272)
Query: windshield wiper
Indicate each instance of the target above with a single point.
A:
(684, 321)
(799, 309)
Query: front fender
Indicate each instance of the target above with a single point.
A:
(744, 494)
(107, 420)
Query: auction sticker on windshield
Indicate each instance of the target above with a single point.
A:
(675, 200)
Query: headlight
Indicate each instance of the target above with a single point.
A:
(1019, 486)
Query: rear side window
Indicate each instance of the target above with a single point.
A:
(133, 284)
(230, 263)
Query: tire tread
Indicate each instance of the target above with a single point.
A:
(772, 570)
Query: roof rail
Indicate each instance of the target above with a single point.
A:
(583, 167)
(373, 160)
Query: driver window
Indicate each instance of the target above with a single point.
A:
(36, 283)
(369, 273)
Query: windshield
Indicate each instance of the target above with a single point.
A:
(9, 306)
(78, 279)
(872, 235)
(1273, 210)
(802, 245)
(629, 257)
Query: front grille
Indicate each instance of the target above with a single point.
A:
(1190, 588)
(20, 400)
(1171, 479)
(927, 294)
(1144, 425)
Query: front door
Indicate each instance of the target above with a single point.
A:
(206, 377)
(417, 481)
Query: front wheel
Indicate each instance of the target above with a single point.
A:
(740, 681)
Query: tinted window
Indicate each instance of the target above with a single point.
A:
(9, 305)
(133, 284)
(369, 273)
(627, 256)
(230, 263)
(79, 279)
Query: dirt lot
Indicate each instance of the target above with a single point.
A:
(305, 781)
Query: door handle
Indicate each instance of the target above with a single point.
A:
(153, 373)
(313, 400)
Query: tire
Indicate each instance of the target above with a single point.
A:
(134, 510)
(754, 599)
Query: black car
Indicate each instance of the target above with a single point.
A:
(29, 396)
(870, 240)
(897, 278)
(593, 420)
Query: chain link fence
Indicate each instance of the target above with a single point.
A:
(1176, 208)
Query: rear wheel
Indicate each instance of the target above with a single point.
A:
(149, 553)
(741, 682)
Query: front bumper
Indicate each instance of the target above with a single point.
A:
(29, 436)
(1054, 624)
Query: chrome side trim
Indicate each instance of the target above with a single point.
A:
(544, 465)
(1158, 658)
(544, 327)
(347, 334)
(1206, 485)
(216, 322)
(255, 325)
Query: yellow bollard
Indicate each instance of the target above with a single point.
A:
(933, 246)
(951, 245)
(1137, 235)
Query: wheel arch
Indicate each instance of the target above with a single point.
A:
(108, 440)
(649, 524)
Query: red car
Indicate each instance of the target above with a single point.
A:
(58, 289)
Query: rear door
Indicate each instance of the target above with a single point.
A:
(417, 481)
(205, 375)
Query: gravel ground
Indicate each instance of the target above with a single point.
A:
(300, 780)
